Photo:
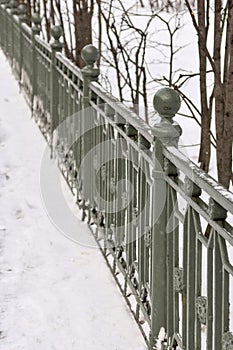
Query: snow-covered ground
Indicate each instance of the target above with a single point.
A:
(55, 294)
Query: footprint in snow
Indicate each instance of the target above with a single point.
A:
(30, 206)
(2, 336)
(4, 176)
(19, 214)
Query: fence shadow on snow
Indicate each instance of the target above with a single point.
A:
(162, 224)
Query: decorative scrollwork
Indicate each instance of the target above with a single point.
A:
(145, 300)
(147, 236)
(124, 198)
(103, 172)
(227, 341)
(201, 308)
(112, 185)
(135, 214)
(178, 279)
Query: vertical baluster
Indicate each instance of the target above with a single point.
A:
(192, 262)
(99, 153)
(189, 280)
(13, 6)
(109, 217)
(210, 291)
(218, 297)
(5, 15)
(2, 20)
(36, 28)
(175, 247)
(8, 30)
(198, 277)
(144, 235)
(3, 24)
(71, 132)
(47, 101)
(221, 277)
(172, 230)
(22, 8)
(132, 198)
(120, 195)
(60, 113)
(78, 145)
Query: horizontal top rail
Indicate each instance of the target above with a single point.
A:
(26, 29)
(130, 117)
(16, 19)
(146, 155)
(70, 65)
(45, 45)
(200, 178)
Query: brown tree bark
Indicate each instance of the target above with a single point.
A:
(68, 52)
(83, 12)
(47, 22)
(204, 155)
(218, 89)
(225, 171)
(223, 85)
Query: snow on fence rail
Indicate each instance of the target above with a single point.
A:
(162, 224)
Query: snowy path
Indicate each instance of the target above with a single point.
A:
(54, 293)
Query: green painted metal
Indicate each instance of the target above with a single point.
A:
(161, 223)
(88, 133)
(36, 28)
(22, 10)
(56, 46)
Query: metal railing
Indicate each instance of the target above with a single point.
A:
(162, 224)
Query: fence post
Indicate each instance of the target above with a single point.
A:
(3, 23)
(13, 7)
(90, 73)
(22, 11)
(36, 28)
(56, 46)
(166, 132)
(7, 29)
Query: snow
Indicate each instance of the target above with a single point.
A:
(55, 293)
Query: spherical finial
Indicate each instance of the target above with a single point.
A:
(56, 32)
(13, 4)
(36, 19)
(166, 102)
(22, 9)
(90, 54)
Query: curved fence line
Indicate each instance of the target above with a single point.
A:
(163, 225)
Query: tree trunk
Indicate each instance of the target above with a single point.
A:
(225, 173)
(83, 27)
(204, 155)
(218, 91)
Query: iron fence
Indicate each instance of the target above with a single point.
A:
(163, 225)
